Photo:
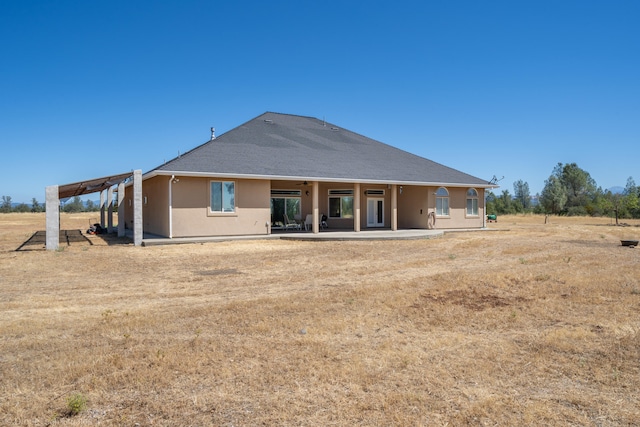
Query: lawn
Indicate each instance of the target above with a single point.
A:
(526, 323)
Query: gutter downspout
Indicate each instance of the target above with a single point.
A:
(171, 206)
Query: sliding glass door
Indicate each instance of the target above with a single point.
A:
(281, 204)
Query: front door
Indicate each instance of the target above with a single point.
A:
(375, 212)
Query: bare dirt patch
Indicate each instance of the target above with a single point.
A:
(527, 324)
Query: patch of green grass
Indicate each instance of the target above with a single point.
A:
(76, 403)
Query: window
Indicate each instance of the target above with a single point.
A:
(472, 202)
(442, 202)
(223, 196)
(340, 203)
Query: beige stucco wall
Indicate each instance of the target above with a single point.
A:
(155, 202)
(413, 206)
(415, 203)
(191, 216)
(458, 209)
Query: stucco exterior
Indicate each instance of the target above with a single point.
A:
(179, 206)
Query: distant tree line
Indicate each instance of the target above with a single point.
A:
(73, 205)
(570, 191)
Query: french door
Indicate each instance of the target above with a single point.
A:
(375, 212)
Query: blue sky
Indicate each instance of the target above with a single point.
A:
(505, 88)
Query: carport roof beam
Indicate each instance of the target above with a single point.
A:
(94, 185)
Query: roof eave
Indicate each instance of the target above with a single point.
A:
(155, 173)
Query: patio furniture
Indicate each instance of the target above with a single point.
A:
(290, 225)
(308, 222)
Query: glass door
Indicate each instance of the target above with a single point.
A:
(281, 205)
(375, 212)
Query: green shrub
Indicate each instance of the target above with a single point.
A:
(76, 403)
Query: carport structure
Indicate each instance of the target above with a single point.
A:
(106, 187)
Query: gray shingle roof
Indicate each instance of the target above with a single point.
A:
(305, 148)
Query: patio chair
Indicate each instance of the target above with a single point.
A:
(291, 225)
(308, 222)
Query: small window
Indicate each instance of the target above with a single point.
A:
(286, 192)
(223, 196)
(342, 206)
(341, 192)
(442, 202)
(472, 202)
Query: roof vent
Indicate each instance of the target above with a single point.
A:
(213, 133)
(335, 129)
(268, 121)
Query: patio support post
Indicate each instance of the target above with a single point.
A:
(315, 196)
(110, 209)
(484, 208)
(121, 209)
(394, 207)
(102, 207)
(356, 207)
(52, 217)
(137, 207)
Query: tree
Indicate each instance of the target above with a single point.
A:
(570, 190)
(22, 208)
(35, 206)
(521, 193)
(74, 206)
(631, 199)
(5, 206)
(491, 206)
(578, 184)
(507, 203)
(631, 187)
(554, 195)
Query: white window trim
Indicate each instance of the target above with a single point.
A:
(447, 198)
(477, 199)
(235, 198)
(339, 194)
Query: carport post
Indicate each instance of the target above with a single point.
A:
(121, 209)
(52, 217)
(102, 202)
(137, 207)
(110, 209)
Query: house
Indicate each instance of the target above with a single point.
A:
(278, 168)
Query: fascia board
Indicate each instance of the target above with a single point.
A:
(310, 178)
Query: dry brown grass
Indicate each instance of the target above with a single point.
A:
(532, 324)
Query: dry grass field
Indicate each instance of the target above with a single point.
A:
(525, 324)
